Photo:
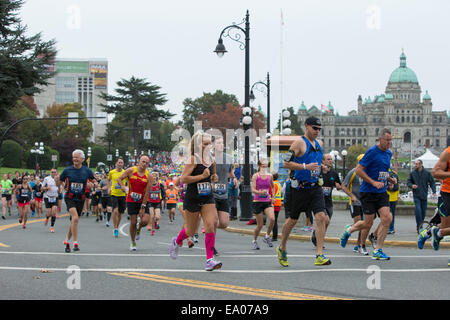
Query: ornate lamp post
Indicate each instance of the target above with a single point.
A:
(37, 150)
(344, 155)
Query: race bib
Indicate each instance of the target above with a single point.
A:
(117, 186)
(154, 196)
(204, 188)
(220, 188)
(326, 191)
(52, 200)
(383, 176)
(76, 187)
(315, 173)
(38, 194)
(136, 197)
(24, 193)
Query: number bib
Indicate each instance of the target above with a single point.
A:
(38, 194)
(136, 197)
(117, 186)
(315, 173)
(204, 188)
(24, 193)
(326, 191)
(154, 195)
(76, 187)
(220, 188)
(52, 200)
(383, 176)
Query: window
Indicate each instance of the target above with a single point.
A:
(65, 82)
(65, 97)
(438, 144)
(336, 142)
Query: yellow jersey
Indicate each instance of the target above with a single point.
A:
(115, 188)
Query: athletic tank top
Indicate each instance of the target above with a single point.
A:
(262, 184)
(278, 194)
(311, 155)
(446, 184)
(155, 193)
(201, 188)
(137, 186)
(171, 195)
(24, 194)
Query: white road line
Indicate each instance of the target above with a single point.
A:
(45, 270)
(121, 229)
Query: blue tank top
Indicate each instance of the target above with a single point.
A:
(311, 155)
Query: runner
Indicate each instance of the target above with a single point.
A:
(330, 180)
(171, 198)
(74, 179)
(17, 181)
(278, 190)
(199, 200)
(38, 197)
(374, 170)
(139, 182)
(96, 196)
(105, 202)
(50, 189)
(23, 192)
(32, 183)
(304, 159)
(6, 186)
(155, 200)
(351, 187)
(440, 171)
(118, 196)
(262, 202)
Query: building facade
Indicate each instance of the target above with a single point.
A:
(81, 81)
(402, 109)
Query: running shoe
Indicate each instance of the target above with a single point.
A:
(174, 248)
(345, 235)
(356, 248)
(67, 244)
(24, 227)
(107, 223)
(379, 255)
(20, 221)
(133, 246)
(313, 238)
(138, 234)
(195, 238)
(363, 251)
(268, 241)
(212, 264)
(423, 237)
(152, 233)
(255, 245)
(373, 240)
(435, 239)
(3, 217)
(190, 243)
(52, 230)
(282, 257)
(76, 247)
(116, 233)
(321, 260)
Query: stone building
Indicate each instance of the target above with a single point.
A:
(401, 108)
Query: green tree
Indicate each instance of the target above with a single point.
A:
(24, 59)
(296, 126)
(98, 154)
(193, 108)
(352, 153)
(11, 154)
(136, 101)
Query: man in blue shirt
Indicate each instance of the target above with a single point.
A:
(374, 170)
(75, 179)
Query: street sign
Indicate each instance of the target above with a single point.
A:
(147, 134)
(72, 122)
(54, 158)
(109, 157)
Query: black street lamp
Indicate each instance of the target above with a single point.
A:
(252, 98)
(246, 194)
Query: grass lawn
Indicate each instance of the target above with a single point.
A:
(23, 170)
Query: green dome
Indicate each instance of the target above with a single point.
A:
(403, 73)
(426, 96)
(380, 98)
(389, 96)
(330, 107)
(302, 107)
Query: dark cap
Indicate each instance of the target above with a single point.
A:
(313, 121)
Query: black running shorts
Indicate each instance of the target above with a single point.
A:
(372, 202)
(304, 199)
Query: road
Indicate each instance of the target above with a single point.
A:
(33, 265)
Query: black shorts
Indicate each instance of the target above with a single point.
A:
(78, 205)
(196, 204)
(154, 205)
(95, 200)
(356, 211)
(106, 202)
(329, 211)
(304, 200)
(171, 206)
(119, 202)
(7, 196)
(372, 202)
(222, 205)
(444, 204)
(135, 207)
(49, 205)
(260, 207)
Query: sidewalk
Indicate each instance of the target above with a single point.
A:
(405, 230)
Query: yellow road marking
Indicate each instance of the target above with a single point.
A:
(275, 294)
(4, 245)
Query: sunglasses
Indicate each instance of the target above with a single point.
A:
(316, 128)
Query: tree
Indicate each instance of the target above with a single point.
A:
(136, 101)
(11, 154)
(65, 147)
(24, 60)
(352, 153)
(45, 160)
(98, 155)
(193, 108)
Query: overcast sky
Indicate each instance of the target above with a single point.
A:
(331, 50)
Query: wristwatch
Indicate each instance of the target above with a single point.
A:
(143, 206)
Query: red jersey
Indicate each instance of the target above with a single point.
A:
(155, 193)
(136, 184)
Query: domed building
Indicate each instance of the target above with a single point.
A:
(401, 108)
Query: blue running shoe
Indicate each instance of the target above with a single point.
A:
(423, 237)
(356, 248)
(345, 236)
(435, 239)
(379, 255)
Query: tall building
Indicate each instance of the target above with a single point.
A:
(77, 80)
(402, 108)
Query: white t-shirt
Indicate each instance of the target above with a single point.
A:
(53, 191)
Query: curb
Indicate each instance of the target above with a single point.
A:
(389, 243)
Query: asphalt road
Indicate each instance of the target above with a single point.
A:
(33, 265)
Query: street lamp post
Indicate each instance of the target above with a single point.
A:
(89, 153)
(344, 155)
(285, 123)
(246, 195)
(252, 97)
(38, 149)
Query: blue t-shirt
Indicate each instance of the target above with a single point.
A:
(376, 164)
(311, 155)
(76, 180)
(237, 173)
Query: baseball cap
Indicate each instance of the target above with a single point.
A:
(171, 184)
(313, 121)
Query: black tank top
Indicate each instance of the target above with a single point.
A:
(199, 189)
(24, 195)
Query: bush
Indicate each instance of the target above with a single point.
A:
(98, 154)
(11, 154)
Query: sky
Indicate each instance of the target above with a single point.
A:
(316, 51)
